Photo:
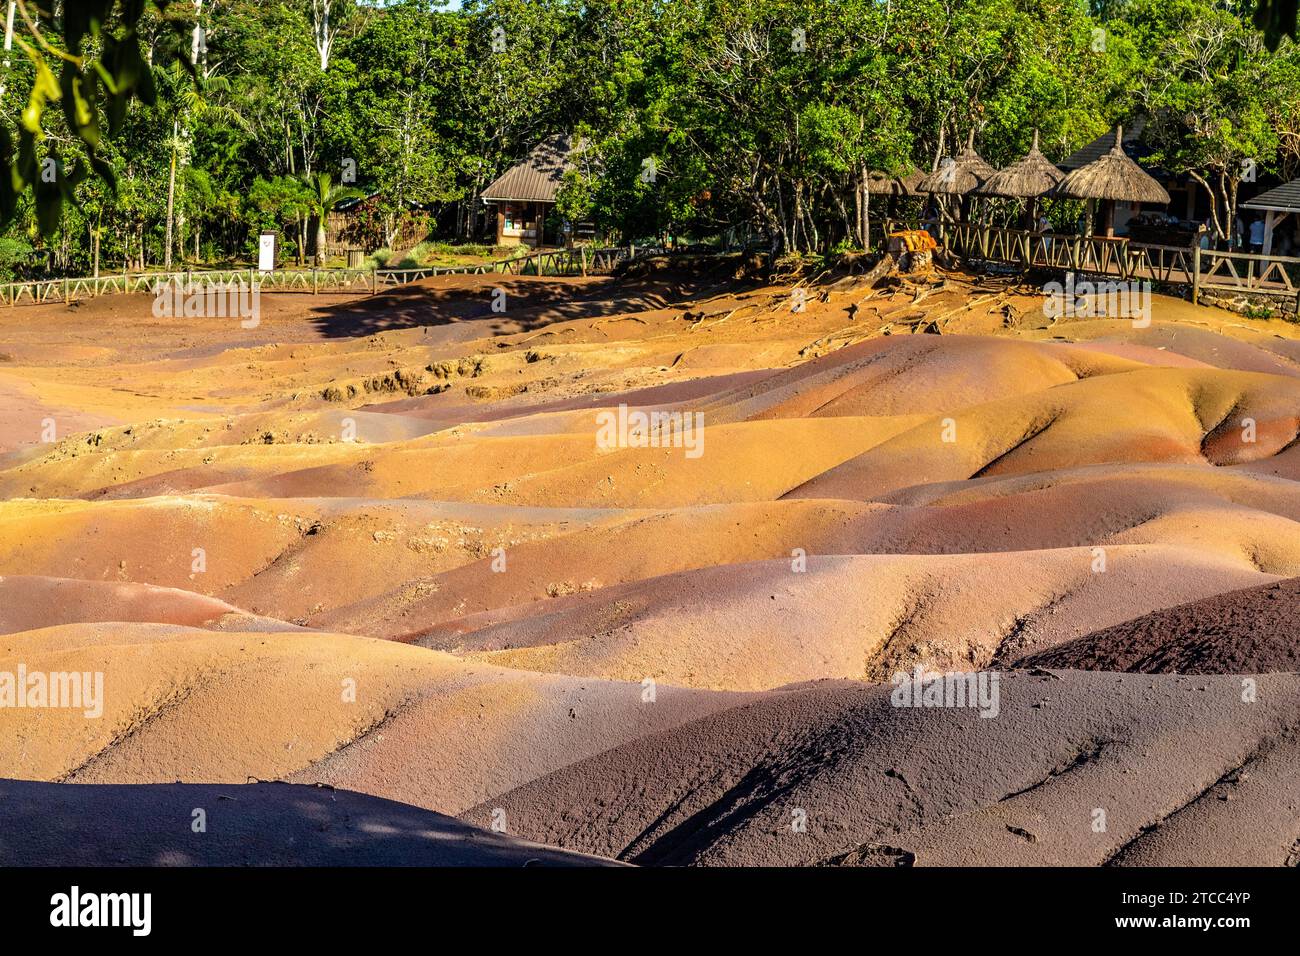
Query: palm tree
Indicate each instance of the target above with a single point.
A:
(325, 195)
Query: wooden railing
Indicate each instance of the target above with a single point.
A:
(560, 262)
(1235, 270)
(1200, 269)
(1094, 255)
(37, 291)
(1172, 265)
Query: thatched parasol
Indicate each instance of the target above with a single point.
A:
(883, 184)
(1112, 178)
(1029, 178)
(959, 175)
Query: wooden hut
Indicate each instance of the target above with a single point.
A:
(957, 175)
(890, 187)
(893, 186)
(1276, 205)
(524, 195)
(362, 223)
(1028, 178)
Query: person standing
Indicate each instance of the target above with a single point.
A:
(1256, 236)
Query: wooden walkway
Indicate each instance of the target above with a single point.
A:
(561, 262)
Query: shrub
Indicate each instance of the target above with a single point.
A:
(15, 255)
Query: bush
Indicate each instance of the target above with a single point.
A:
(15, 257)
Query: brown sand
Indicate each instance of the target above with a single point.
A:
(831, 773)
(1253, 631)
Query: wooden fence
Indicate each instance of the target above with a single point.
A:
(1198, 269)
(561, 262)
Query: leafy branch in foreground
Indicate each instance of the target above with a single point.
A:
(95, 46)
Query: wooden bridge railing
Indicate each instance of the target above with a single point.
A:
(1201, 269)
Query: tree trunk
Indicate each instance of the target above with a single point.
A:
(1219, 232)
(9, 45)
(322, 32)
(938, 152)
(171, 203)
(856, 232)
(866, 213)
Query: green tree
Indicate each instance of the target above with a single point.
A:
(283, 203)
(1208, 95)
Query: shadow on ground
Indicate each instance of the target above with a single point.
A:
(258, 824)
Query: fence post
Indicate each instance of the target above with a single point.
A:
(1196, 274)
(374, 279)
(315, 282)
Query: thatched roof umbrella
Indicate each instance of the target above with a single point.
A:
(1028, 179)
(1112, 178)
(887, 186)
(883, 184)
(958, 175)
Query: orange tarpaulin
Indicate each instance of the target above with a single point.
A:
(915, 240)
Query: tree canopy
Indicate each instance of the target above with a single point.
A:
(183, 129)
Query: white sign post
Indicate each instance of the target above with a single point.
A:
(266, 252)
